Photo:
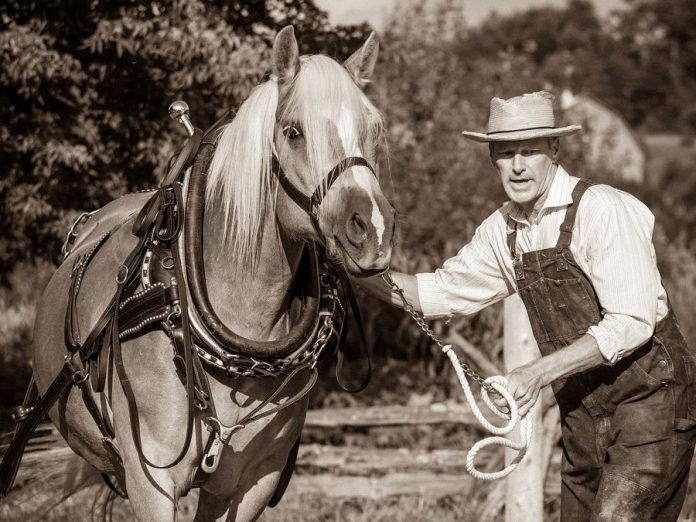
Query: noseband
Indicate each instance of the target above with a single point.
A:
(310, 204)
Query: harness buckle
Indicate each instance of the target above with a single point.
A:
(219, 438)
(122, 274)
(76, 375)
(202, 400)
(175, 313)
(20, 413)
(169, 197)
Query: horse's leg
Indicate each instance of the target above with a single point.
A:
(152, 494)
(245, 506)
(211, 507)
(253, 497)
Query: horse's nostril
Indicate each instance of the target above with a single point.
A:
(359, 223)
(356, 230)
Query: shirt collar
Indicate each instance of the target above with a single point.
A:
(560, 195)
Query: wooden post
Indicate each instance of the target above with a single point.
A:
(525, 486)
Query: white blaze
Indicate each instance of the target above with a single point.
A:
(362, 175)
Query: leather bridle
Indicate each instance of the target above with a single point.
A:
(310, 204)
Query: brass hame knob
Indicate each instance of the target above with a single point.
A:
(179, 111)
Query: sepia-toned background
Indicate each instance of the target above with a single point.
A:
(84, 91)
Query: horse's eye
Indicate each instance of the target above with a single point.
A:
(292, 132)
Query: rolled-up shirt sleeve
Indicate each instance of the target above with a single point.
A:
(466, 283)
(623, 271)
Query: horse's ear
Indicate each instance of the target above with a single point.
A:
(286, 55)
(362, 62)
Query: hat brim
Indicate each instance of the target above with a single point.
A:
(519, 135)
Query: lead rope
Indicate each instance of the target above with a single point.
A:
(496, 383)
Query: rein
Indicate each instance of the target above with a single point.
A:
(496, 384)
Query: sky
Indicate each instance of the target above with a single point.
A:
(375, 11)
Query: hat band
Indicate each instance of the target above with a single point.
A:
(519, 130)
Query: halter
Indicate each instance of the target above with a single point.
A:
(310, 204)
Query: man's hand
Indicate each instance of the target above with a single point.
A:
(524, 384)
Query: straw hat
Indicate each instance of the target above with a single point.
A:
(522, 118)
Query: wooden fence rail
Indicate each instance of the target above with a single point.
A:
(350, 471)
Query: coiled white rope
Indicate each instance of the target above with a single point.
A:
(526, 428)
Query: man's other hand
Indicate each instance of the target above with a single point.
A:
(524, 384)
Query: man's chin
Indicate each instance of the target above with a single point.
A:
(523, 200)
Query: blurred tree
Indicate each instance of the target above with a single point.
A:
(664, 34)
(85, 86)
(437, 77)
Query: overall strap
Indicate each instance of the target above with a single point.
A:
(512, 237)
(566, 235)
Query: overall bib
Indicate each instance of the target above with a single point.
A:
(628, 429)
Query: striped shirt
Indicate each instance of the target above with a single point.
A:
(612, 244)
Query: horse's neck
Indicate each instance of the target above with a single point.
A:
(253, 306)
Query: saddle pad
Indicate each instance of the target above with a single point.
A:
(117, 212)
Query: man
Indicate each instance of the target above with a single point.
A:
(581, 258)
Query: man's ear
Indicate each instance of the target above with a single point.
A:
(491, 151)
(555, 146)
(286, 55)
(361, 63)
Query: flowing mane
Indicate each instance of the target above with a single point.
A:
(240, 181)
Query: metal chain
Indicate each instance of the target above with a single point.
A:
(418, 318)
(332, 314)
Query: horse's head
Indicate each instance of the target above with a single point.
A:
(311, 132)
(326, 139)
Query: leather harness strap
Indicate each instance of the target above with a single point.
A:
(221, 434)
(343, 345)
(121, 372)
(70, 374)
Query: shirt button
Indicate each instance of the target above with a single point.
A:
(662, 363)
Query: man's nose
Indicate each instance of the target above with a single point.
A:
(517, 164)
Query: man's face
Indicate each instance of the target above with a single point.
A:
(525, 168)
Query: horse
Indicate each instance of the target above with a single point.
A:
(308, 116)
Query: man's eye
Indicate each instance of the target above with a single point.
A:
(292, 132)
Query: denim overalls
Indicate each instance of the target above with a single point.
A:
(628, 429)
